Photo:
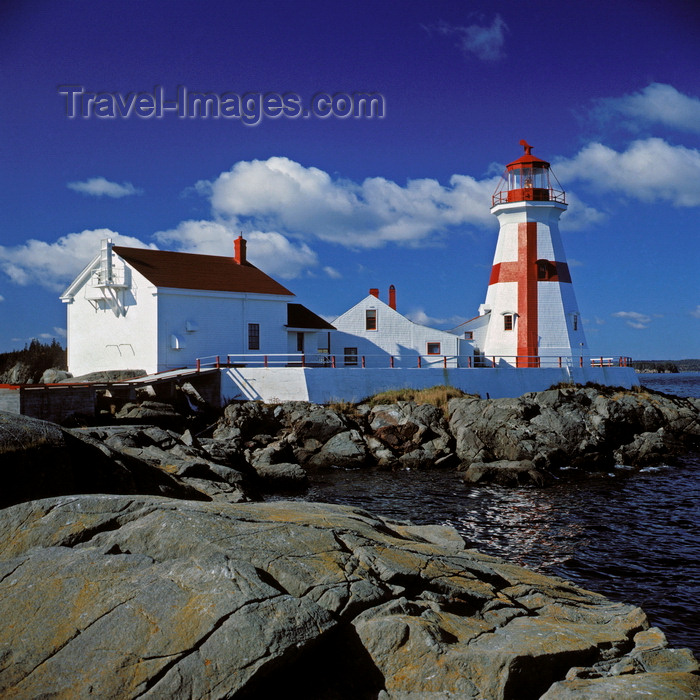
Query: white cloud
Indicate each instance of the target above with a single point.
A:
(203, 237)
(657, 103)
(420, 317)
(2, 298)
(579, 215)
(485, 42)
(270, 251)
(695, 313)
(281, 195)
(54, 265)
(101, 187)
(649, 170)
(634, 319)
(332, 273)
(277, 256)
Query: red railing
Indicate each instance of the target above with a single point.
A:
(324, 360)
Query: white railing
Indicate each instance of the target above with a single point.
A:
(407, 361)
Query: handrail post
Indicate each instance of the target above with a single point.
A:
(363, 362)
(265, 360)
(218, 364)
(581, 361)
(303, 360)
(419, 362)
(333, 361)
(391, 361)
(199, 364)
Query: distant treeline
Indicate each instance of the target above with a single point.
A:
(671, 366)
(36, 356)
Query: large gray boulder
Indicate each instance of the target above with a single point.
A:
(123, 597)
(346, 449)
(39, 459)
(54, 376)
(416, 434)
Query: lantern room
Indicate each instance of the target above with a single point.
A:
(528, 179)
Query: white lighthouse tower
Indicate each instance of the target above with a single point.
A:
(533, 316)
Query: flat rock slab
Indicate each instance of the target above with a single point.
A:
(149, 597)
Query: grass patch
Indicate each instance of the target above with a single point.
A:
(434, 395)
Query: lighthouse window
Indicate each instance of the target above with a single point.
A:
(575, 321)
(542, 269)
(371, 319)
(508, 322)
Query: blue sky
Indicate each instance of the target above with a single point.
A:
(608, 92)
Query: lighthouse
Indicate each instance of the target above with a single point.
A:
(533, 317)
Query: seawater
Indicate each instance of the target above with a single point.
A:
(630, 535)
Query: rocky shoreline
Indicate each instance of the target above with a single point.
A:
(536, 438)
(136, 561)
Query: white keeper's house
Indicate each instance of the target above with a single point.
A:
(155, 310)
(374, 334)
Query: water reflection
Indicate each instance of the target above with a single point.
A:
(522, 525)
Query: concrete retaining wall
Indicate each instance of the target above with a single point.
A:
(9, 400)
(51, 402)
(323, 385)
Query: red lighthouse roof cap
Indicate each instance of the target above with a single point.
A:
(527, 160)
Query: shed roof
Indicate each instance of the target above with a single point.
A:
(298, 316)
(165, 268)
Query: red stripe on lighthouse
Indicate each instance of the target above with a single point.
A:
(528, 330)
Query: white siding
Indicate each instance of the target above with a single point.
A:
(395, 336)
(112, 330)
(221, 320)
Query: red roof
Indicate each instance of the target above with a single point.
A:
(165, 268)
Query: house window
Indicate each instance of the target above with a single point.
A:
(433, 348)
(350, 357)
(371, 320)
(508, 322)
(469, 335)
(253, 336)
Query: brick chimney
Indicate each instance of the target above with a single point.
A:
(392, 297)
(239, 250)
(374, 292)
